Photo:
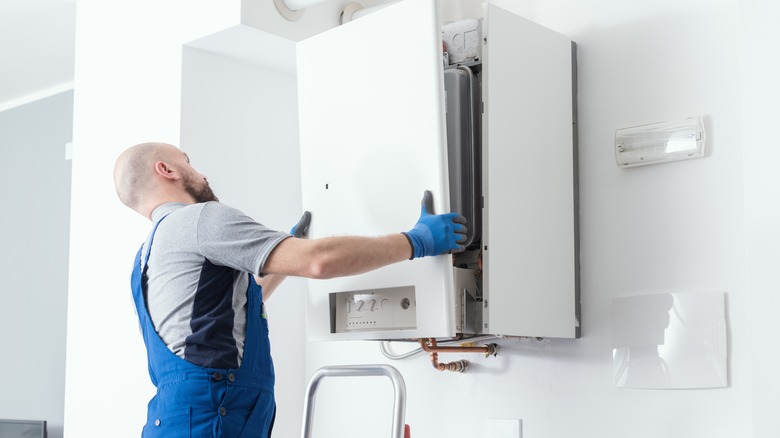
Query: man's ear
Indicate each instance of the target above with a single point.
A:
(163, 169)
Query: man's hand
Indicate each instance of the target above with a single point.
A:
(300, 229)
(436, 234)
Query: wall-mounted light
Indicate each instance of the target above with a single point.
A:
(660, 142)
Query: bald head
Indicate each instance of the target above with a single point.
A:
(135, 173)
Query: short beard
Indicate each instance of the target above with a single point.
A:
(204, 194)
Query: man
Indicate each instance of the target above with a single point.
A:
(199, 283)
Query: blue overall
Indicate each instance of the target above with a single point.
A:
(193, 401)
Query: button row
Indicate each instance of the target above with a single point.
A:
(218, 376)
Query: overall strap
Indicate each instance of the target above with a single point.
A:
(149, 245)
(138, 285)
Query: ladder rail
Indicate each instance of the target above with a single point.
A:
(399, 392)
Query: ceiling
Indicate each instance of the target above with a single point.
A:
(37, 46)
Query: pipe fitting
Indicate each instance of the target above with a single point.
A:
(429, 345)
(459, 366)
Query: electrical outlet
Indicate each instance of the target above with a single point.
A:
(504, 428)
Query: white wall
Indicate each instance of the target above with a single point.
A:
(129, 69)
(761, 93)
(674, 227)
(35, 197)
(128, 82)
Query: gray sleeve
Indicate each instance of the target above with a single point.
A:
(228, 237)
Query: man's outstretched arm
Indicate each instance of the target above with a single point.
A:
(350, 255)
(332, 257)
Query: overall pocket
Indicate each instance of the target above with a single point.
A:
(175, 423)
(261, 416)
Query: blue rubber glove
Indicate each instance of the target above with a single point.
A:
(300, 229)
(436, 234)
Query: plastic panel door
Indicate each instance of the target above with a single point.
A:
(529, 183)
(372, 139)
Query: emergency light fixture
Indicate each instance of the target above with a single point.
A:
(660, 142)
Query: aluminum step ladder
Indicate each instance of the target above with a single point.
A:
(400, 430)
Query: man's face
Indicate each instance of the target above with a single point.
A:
(196, 185)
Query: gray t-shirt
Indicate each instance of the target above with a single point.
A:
(197, 278)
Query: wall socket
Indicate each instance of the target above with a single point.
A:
(504, 428)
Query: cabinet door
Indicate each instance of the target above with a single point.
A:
(529, 184)
(372, 139)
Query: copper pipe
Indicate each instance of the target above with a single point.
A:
(457, 366)
(429, 345)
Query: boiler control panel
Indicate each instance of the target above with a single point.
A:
(393, 308)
